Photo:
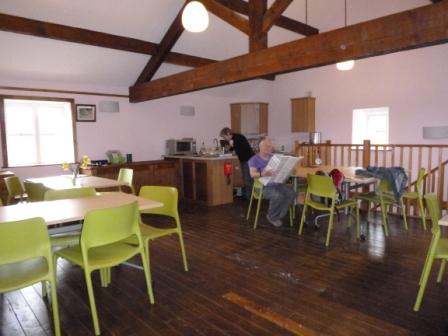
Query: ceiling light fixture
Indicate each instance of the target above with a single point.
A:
(347, 65)
(195, 17)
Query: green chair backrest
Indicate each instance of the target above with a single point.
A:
(14, 186)
(106, 226)
(432, 203)
(419, 182)
(321, 185)
(166, 195)
(257, 189)
(22, 240)
(52, 195)
(35, 191)
(125, 175)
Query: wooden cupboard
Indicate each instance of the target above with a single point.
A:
(249, 118)
(3, 190)
(303, 114)
(203, 179)
(159, 172)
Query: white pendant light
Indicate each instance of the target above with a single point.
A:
(347, 65)
(344, 66)
(195, 17)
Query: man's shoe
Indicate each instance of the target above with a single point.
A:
(275, 222)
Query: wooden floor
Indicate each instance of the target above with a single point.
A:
(244, 282)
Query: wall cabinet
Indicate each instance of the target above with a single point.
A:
(3, 190)
(159, 172)
(249, 118)
(303, 114)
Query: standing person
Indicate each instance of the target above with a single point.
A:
(280, 195)
(244, 151)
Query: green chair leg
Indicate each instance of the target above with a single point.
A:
(146, 268)
(250, 207)
(55, 307)
(291, 216)
(302, 220)
(358, 231)
(182, 250)
(422, 213)
(91, 295)
(330, 228)
(441, 270)
(257, 213)
(425, 276)
(384, 219)
(403, 213)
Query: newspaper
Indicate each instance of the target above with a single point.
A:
(281, 167)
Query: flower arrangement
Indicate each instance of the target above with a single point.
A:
(75, 167)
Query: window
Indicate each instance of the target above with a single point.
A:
(37, 131)
(371, 124)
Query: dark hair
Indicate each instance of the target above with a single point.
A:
(225, 131)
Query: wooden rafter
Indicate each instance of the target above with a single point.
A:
(227, 15)
(172, 35)
(242, 7)
(414, 28)
(258, 39)
(274, 12)
(21, 25)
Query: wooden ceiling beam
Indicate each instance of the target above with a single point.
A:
(258, 39)
(227, 15)
(274, 12)
(416, 28)
(21, 25)
(242, 7)
(171, 36)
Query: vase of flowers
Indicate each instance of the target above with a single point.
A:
(75, 167)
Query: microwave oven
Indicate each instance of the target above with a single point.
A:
(180, 147)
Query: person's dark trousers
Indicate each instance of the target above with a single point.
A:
(247, 180)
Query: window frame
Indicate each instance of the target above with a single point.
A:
(369, 114)
(3, 125)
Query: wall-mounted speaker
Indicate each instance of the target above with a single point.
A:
(109, 106)
(187, 111)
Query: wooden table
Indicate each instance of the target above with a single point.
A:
(349, 173)
(66, 182)
(70, 210)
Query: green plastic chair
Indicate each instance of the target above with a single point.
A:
(35, 191)
(102, 246)
(257, 194)
(383, 197)
(15, 189)
(125, 175)
(72, 238)
(438, 248)
(322, 186)
(417, 195)
(169, 197)
(25, 259)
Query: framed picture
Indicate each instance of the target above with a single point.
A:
(85, 112)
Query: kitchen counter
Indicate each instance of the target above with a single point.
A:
(202, 157)
(204, 179)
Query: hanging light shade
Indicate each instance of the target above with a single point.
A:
(344, 66)
(347, 65)
(195, 17)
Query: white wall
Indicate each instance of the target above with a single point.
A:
(414, 84)
(141, 129)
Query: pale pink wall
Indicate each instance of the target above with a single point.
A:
(412, 83)
(141, 129)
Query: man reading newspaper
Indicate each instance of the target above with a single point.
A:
(272, 172)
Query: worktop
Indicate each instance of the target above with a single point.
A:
(202, 157)
(204, 180)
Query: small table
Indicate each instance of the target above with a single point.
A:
(67, 182)
(444, 220)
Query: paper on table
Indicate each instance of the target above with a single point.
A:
(281, 167)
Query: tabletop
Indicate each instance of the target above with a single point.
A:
(349, 173)
(66, 182)
(444, 220)
(69, 210)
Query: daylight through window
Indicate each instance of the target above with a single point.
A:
(38, 132)
(371, 124)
